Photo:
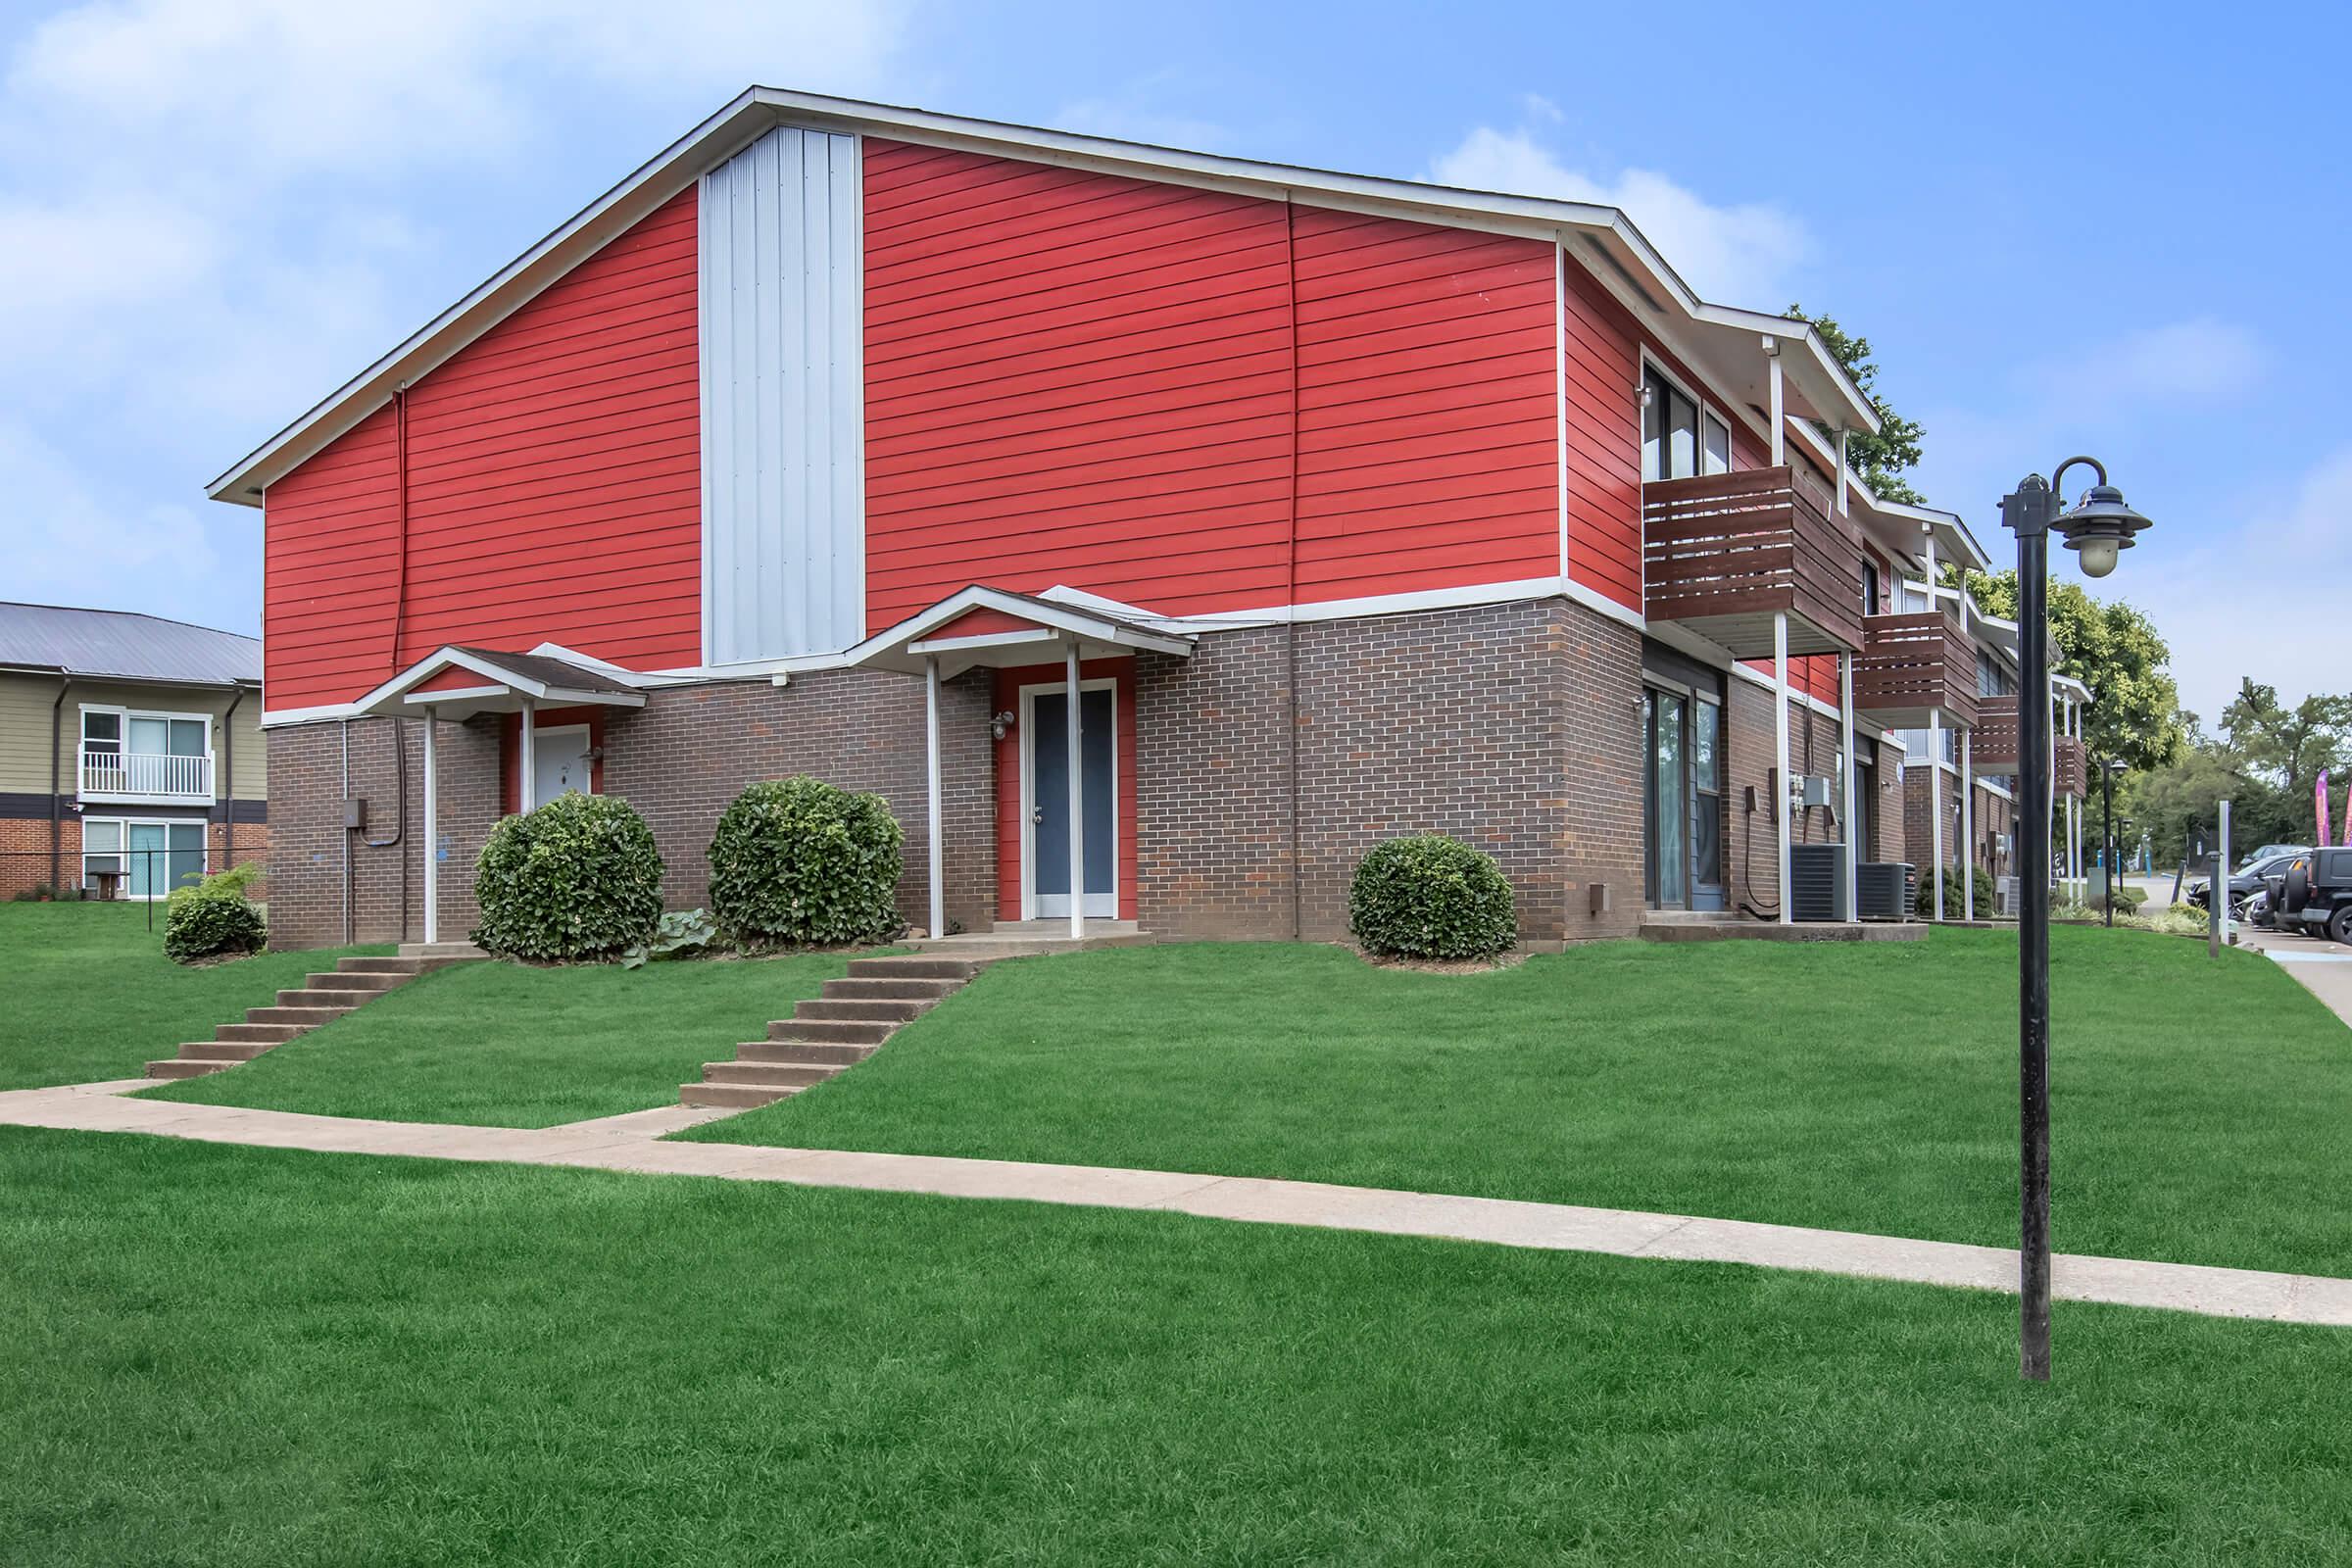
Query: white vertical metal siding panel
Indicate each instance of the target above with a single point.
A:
(783, 400)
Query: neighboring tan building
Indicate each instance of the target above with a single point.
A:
(842, 438)
(130, 750)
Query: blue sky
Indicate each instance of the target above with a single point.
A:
(2103, 228)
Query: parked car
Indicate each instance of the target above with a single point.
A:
(2316, 895)
(2274, 852)
(2250, 878)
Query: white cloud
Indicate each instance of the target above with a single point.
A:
(1748, 254)
(214, 211)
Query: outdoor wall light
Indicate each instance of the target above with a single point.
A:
(1000, 724)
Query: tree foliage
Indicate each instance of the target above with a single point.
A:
(2288, 747)
(2265, 762)
(1879, 461)
(2114, 650)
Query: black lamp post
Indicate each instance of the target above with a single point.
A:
(2098, 530)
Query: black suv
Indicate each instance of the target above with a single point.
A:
(2316, 895)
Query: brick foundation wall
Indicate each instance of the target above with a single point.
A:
(678, 761)
(25, 857)
(1512, 727)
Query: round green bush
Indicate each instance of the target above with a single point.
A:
(577, 879)
(213, 919)
(796, 860)
(1431, 897)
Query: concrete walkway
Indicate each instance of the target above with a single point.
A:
(2324, 967)
(629, 1143)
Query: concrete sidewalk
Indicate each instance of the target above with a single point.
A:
(630, 1143)
(2324, 967)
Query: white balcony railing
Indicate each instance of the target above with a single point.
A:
(161, 778)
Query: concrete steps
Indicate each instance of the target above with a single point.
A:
(323, 999)
(833, 1031)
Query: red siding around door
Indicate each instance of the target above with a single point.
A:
(510, 750)
(1008, 776)
(554, 491)
(1080, 378)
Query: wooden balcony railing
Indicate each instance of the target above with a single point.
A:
(2073, 766)
(1725, 553)
(1996, 743)
(1914, 664)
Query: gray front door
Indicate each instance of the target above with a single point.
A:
(1050, 803)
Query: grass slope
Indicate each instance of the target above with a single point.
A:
(502, 1044)
(2199, 1106)
(246, 1357)
(88, 995)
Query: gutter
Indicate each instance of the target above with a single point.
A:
(228, 786)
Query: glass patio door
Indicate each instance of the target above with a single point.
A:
(1666, 873)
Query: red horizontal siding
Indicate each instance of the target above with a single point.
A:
(1158, 394)
(554, 491)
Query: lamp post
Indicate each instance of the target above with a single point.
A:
(2109, 848)
(2098, 530)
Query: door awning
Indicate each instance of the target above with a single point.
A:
(457, 683)
(979, 626)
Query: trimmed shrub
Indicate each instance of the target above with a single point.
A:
(1953, 907)
(1431, 897)
(799, 862)
(577, 879)
(213, 919)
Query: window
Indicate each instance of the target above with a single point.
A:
(1870, 587)
(1991, 679)
(152, 858)
(101, 733)
(1669, 432)
(1715, 455)
(164, 757)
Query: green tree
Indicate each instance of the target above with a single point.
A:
(2113, 648)
(2286, 747)
(2172, 801)
(1881, 461)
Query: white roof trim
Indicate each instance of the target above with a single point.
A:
(1820, 378)
(905, 645)
(399, 695)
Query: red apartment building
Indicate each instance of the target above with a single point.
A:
(845, 439)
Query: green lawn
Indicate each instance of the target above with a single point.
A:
(2200, 1108)
(503, 1045)
(225, 1357)
(86, 993)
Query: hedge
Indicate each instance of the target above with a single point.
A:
(1431, 897)
(577, 879)
(213, 919)
(800, 862)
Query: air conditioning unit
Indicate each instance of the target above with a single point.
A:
(1817, 881)
(1889, 890)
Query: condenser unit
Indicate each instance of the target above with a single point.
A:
(1889, 890)
(1817, 881)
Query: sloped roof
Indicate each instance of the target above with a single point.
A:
(124, 643)
(1600, 238)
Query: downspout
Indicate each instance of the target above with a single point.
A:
(400, 747)
(57, 741)
(1289, 242)
(228, 782)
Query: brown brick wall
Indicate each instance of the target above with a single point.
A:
(679, 761)
(1511, 727)
(25, 857)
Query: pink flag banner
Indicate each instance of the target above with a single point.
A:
(2323, 808)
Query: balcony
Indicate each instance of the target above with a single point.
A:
(1994, 747)
(145, 779)
(1723, 555)
(1916, 666)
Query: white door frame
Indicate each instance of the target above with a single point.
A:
(541, 733)
(1028, 733)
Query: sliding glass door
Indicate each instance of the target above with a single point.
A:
(1681, 801)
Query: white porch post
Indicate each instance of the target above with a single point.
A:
(939, 857)
(1935, 800)
(1780, 405)
(529, 756)
(1077, 801)
(432, 830)
(1855, 849)
(1968, 832)
(1780, 718)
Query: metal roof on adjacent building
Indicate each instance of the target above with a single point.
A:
(125, 645)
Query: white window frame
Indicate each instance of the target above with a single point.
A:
(123, 852)
(1027, 731)
(1708, 409)
(125, 713)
